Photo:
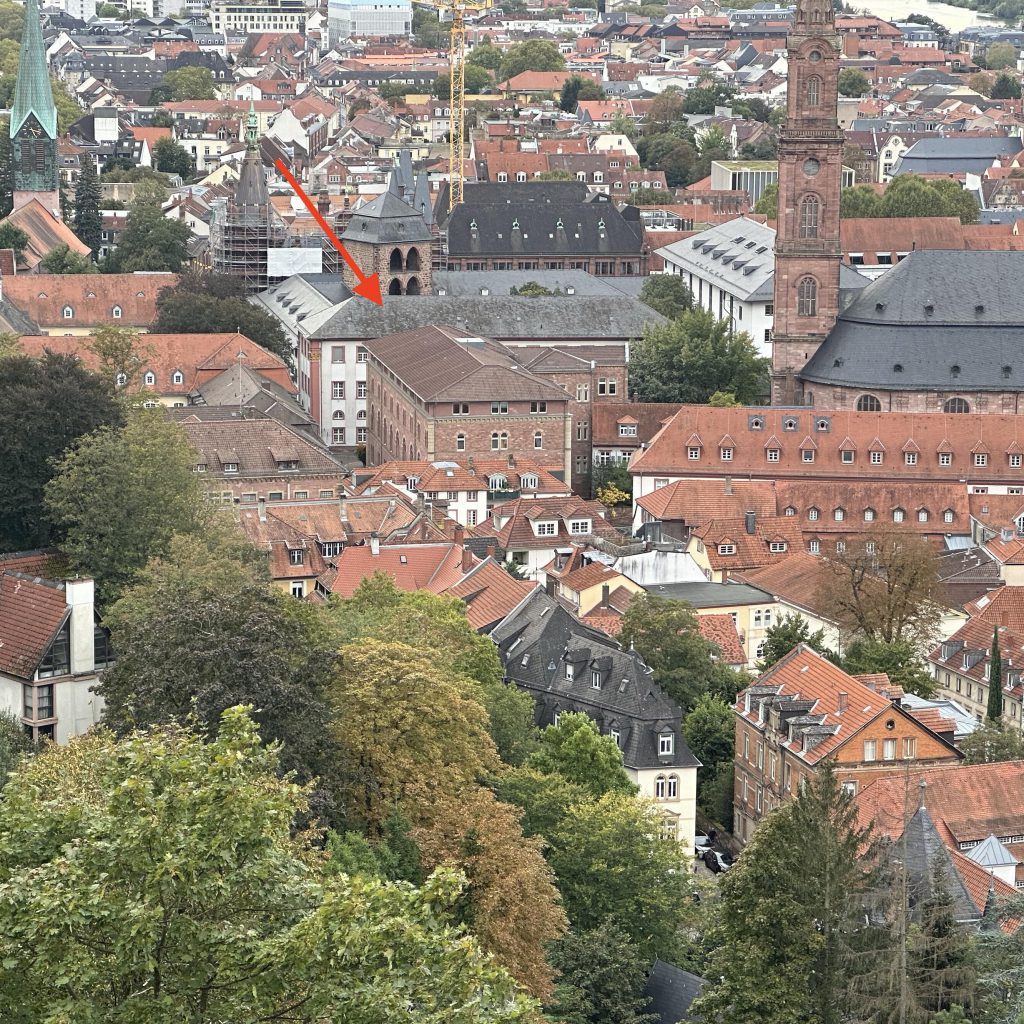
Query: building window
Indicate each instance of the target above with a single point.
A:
(460, 442)
(538, 407)
(338, 435)
(582, 392)
(814, 547)
(538, 439)
(956, 405)
(361, 355)
(666, 744)
(672, 792)
(807, 455)
(813, 91)
(361, 389)
(870, 750)
(980, 459)
(777, 547)
(847, 457)
(876, 458)
(579, 526)
(499, 408)
(297, 556)
(569, 670)
(659, 787)
(807, 297)
(150, 378)
(868, 403)
(888, 750)
(68, 313)
(360, 435)
(869, 515)
(725, 453)
(337, 390)
(460, 408)
(595, 680)
(809, 209)
(547, 529)
(909, 747)
(57, 660)
(945, 458)
(298, 588)
(499, 441)
(693, 453)
(947, 516)
(727, 549)
(812, 514)
(910, 458)
(582, 430)
(774, 454)
(1015, 462)
(922, 515)
(898, 515)
(839, 515)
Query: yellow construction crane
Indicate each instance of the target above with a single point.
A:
(457, 99)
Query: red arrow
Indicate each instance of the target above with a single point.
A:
(368, 287)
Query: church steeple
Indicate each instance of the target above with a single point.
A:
(252, 196)
(33, 129)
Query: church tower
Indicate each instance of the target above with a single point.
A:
(34, 122)
(807, 251)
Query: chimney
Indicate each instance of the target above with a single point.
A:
(604, 595)
(261, 508)
(80, 596)
(492, 551)
(750, 522)
(458, 533)
(323, 204)
(467, 559)
(728, 485)
(549, 585)
(844, 702)
(374, 544)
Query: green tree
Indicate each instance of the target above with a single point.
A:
(427, 30)
(768, 203)
(150, 241)
(180, 311)
(853, 82)
(1006, 87)
(533, 55)
(898, 659)
(716, 795)
(259, 648)
(15, 745)
(46, 405)
(544, 800)
(994, 711)
(576, 88)
(668, 294)
(710, 731)
(709, 92)
(602, 978)
(576, 750)
(982, 82)
(911, 196)
(478, 80)
(1001, 55)
(172, 158)
(712, 144)
(804, 872)
(485, 55)
(120, 357)
(667, 637)
(611, 862)
(650, 197)
(694, 356)
(723, 400)
(675, 156)
(88, 222)
(13, 237)
(621, 124)
(191, 83)
(167, 879)
(379, 610)
(859, 201)
(12, 21)
(786, 634)
(121, 494)
(61, 260)
(992, 742)
(665, 112)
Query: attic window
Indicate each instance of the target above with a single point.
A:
(790, 423)
(116, 312)
(68, 312)
(727, 549)
(178, 377)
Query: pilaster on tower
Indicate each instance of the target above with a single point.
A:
(807, 249)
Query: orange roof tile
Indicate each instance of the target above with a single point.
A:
(721, 631)
(31, 612)
(433, 567)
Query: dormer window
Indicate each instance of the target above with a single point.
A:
(627, 430)
(727, 549)
(57, 660)
(68, 313)
(693, 453)
(980, 459)
(898, 515)
(288, 465)
(200, 467)
(773, 454)
(595, 679)
(807, 455)
(178, 377)
(528, 482)
(777, 547)
(296, 556)
(116, 312)
(122, 379)
(666, 744)
(570, 672)
(546, 529)
(230, 467)
(579, 526)
(839, 515)
(812, 514)
(726, 454)
(150, 378)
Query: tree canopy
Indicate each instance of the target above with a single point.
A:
(533, 55)
(853, 82)
(190, 83)
(909, 195)
(150, 241)
(668, 294)
(577, 751)
(576, 88)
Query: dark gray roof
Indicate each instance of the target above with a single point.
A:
(951, 153)
(534, 218)
(387, 219)
(501, 282)
(710, 595)
(972, 339)
(537, 640)
(565, 316)
(671, 990)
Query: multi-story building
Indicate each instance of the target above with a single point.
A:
(52, 653)
(805, 711)
(569, 667)
(435, 394)
(247, 16)
(357, 19)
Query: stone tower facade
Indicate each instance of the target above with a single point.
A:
(33, 130)
(807, 250)
(389, 237)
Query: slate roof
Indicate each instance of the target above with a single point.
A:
(535, 218)
(918, 317)
(536, 642)
(671, 990)
(501, 282)
(952, 153)
(31, 612)
(557, 317)
(440, 364)
(385, 220)
(710, 595)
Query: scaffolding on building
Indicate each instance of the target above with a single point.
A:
(240, 238)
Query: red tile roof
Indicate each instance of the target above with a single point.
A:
(796, 579)
(698, 501)
(1003, 607)
(433, 567)
(31, 612)
(489, 593)
(91, 297)
(752, 550)
(516, 533)
(721, 631)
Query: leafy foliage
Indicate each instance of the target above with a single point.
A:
(46, 405)
(710, 731)
(13, 237)
(61, 260)
(668, 294)
(787, 633)
(88, 223)
(579, 753)
(158, 878)
(696, 355)
(576, 88)
(853, 82)
(172, 158)
(533, 55)
(768, 203)
(994, 710)
(992, 742)
(909, 195)
(898, 659)
(190, 83)
(150, 241)
(119, 497)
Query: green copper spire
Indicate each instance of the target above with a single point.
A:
(252, 133)
(32, 92)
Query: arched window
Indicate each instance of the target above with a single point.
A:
(395, 288)
(122, 379)
(412, 260)
(68, 312)
(868, 403)
(809, 210)
(413, 287)
(807, 297)
(956, 405)
(460, 442)
(396, 260)
(538, 439)
(339, 414)
(179, 377)
(150, 378)
(659, 787)
(499, 442)
(672, 790)
(813, 91)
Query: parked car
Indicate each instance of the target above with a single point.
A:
(716, 861)
(701, 844)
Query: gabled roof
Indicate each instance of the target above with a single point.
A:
(433, 567)
(31, 612)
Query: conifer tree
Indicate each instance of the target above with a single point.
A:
(88, 223)
(995, 681)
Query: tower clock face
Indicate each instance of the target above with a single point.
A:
(811, 167)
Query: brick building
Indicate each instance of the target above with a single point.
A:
(805, 711)
(436, 394)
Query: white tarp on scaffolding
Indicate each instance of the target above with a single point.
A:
(285, 262)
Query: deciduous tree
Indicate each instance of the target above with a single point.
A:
(710, 730)
(1001, 55)
(668, 294)
(575, 750)
(191, 82)
(121, 494)
(853, 82)
(576, 88)
(533, 55)
(787, 633)
(13, 237)
(150, 241)
(160, 878)
(172, 158)
(45, 406)
(992, 742)
(61, 260)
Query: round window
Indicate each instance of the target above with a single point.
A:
(811, 167)
(814, 56)
(890, 724)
